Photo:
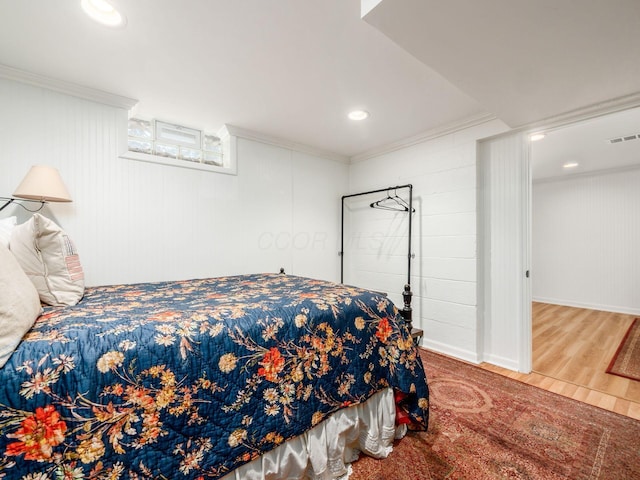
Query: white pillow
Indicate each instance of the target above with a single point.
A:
(50, 260)
(19, 304)
(6, 226)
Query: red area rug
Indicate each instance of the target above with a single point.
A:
(486, 426)
(626, 361)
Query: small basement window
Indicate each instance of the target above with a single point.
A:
(170, 144)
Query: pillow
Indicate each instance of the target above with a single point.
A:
(19, 304)
(6, 225)
(49, 258)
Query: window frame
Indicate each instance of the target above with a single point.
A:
(228, 143)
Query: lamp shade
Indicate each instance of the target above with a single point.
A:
(44, 184)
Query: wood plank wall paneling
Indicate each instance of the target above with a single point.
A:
(134, 221)
(443, 173)
(586, 232)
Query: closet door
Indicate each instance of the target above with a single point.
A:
(504, 203)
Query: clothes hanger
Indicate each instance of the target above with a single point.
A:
(398, 205)
(400, 201)
(403, 202)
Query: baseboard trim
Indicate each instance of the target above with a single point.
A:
(590, 306)
(455, 352)
(502, 362)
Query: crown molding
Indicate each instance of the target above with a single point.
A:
(425, 136)
(281, 142)
(67, 88)
(594, 110)
(548, 124)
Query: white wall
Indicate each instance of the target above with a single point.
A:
(134, 221)
(443, 173)
(586, 241)
(504, 301)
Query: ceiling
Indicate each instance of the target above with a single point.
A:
(293, 69)
(525, 61)
(287, 68)
(587, 144)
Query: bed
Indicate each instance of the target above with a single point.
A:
(251, 376)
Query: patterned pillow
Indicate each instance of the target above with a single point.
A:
(19, 304)
(49, 258)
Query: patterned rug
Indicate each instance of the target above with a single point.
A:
(485, 426)
(626, 361)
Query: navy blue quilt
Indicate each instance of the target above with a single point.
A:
(191, 379)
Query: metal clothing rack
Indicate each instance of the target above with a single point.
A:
(406, 294)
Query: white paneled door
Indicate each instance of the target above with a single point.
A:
(504, 333)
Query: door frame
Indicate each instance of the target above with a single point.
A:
(524, 326)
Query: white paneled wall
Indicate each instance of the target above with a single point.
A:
(135, 221)
(586, 241)
(443, 173)
(505, 300)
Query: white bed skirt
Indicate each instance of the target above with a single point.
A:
(325, 451)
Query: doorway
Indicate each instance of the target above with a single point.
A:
(585, 232)
(506, 179)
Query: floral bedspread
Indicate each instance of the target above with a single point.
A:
(191, 379)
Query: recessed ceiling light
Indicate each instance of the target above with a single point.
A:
(570, 165)
(358, 115)
(536, 136)
(103, 12)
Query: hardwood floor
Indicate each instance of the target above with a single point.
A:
(572, 348)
